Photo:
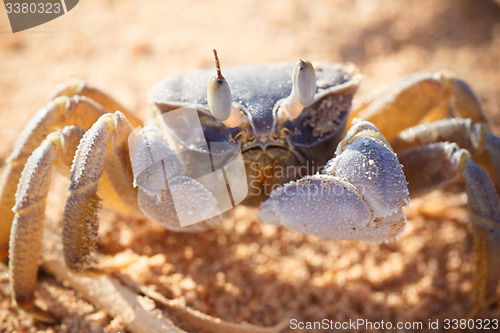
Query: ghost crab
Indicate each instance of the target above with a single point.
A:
(352, 185)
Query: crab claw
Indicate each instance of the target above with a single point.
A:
(165, 194)
(359, 196)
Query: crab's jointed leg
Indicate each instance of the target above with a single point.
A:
(483, 146)
(59, 149)
(431, 165)
(430, 161)
(92, 157)
(425, 101)
(74, 103)
(80, 88)
(485, 215)
(360, 195)
(421, 98)
(27, 226)
(48, 119)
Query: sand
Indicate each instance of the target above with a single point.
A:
(248, 272)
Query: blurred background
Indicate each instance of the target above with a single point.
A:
(125, 47)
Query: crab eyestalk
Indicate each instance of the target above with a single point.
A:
(219, 94)
(303, 89)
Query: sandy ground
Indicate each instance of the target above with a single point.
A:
(247, 271)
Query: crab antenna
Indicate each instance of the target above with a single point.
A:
(303, 89)
(219, 94)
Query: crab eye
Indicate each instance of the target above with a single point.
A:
(219, 94)
(304, 81)
(303, 90)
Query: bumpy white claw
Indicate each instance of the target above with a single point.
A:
(359, 197)
(165, 194)
(367, 161)
(153, 162)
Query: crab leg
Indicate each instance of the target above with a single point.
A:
(80, 88)
(33, 188)
(485, 215)
(78, 111)
(74, 103)
(27, 227)
(492, 146)
(80, 216)
(475, 138)
(463, 132)
(360, 196)
(433, 165)
(419, 99)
